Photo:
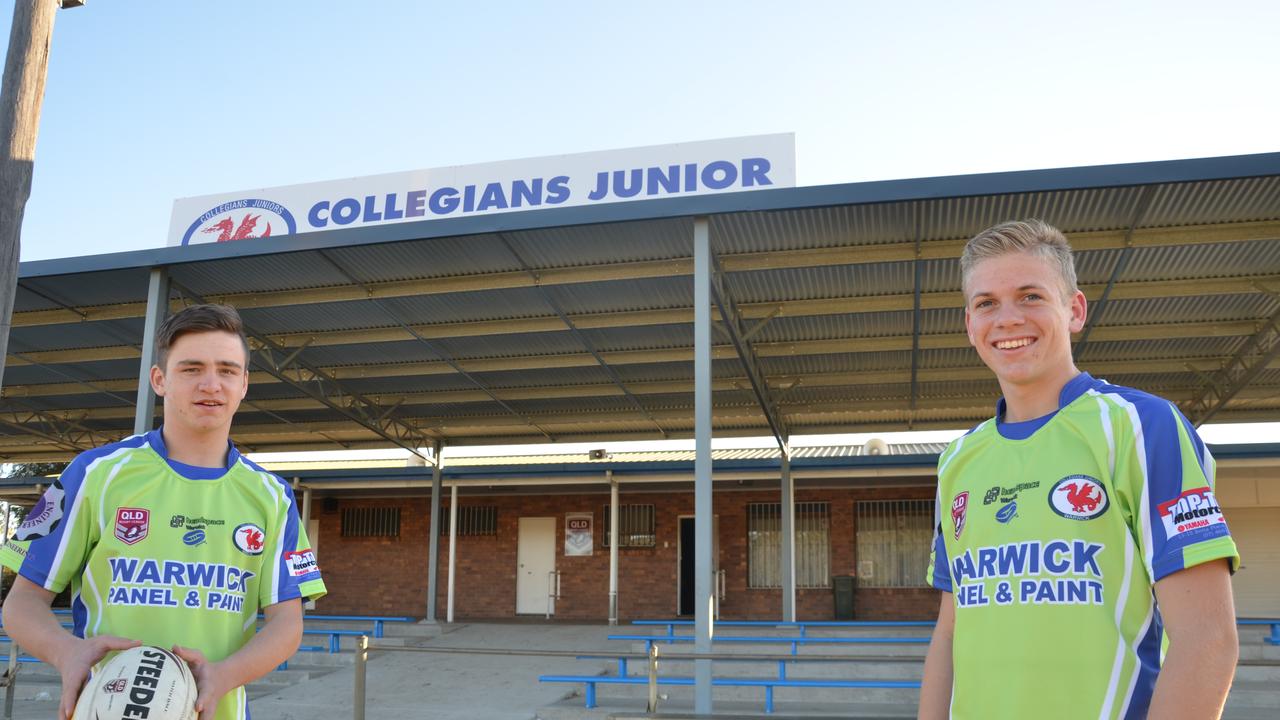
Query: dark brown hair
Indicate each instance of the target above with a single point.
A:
(197, 319)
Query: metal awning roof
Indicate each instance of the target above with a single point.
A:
(577, 323)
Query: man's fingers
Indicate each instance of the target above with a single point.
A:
(112, 642)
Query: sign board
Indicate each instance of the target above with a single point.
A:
(578, 534)
(645, 173)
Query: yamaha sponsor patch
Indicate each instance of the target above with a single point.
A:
(1194, 512)
(45, 517)
(1078, 497)
(301, 562)
(132, 525)
(249, 539)
(959, 511)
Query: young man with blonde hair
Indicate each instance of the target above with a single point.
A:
(169, 538)
(1077, 528)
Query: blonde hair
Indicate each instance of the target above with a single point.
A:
(1032, 236)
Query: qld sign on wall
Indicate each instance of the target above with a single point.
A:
(715, 166)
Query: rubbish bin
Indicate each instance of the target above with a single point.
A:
(843, 586)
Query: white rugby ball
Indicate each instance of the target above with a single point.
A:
(143, 682)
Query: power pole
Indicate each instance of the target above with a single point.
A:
(21, 96)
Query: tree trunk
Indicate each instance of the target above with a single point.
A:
(20, 101)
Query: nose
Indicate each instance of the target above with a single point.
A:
(208, 381)
(1008, 315)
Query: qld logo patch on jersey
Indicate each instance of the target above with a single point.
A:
(1195, 512)
(1078, 497)
(959, 511)
(132, 525)
(45, 517)
(249, 539)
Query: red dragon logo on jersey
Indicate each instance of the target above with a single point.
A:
(224, 228)
(1078, 497)
(249, 539)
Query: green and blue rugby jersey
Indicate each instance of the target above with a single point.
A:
(164, 552)
(1051, 534)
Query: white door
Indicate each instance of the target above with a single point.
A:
(536, 559)
(1256, 585)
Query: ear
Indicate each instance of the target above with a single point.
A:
(157, 380)
(244, 385)
(1079, 311)
(968, 327)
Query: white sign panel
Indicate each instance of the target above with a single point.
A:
(714, 166)
(578, 534)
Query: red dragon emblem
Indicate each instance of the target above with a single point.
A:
(224, 228)
(253, 539)
(1080, 497)
(249, 539)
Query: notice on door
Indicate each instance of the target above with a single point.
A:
(578, 535)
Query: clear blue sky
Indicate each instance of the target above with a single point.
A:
(149, 101)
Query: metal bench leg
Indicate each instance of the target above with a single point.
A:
(768, 699)
(333, 644)
(591, 694)
(622, 667)
(377, 628)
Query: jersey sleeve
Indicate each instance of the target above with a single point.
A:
(939, 573)
(51, 544)
(1169, 475)
(292, 572)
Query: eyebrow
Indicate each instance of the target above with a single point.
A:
(1022, 288)
(200, 363)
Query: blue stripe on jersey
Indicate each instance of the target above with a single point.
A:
(1161, 444)
(941, 563)
(79, 616)
(191, 472)
(287, 586)
(1148, 668)
(42, 551)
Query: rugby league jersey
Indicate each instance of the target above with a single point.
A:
(163, 552)
(1050, 536)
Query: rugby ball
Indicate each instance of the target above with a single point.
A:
(142, 682)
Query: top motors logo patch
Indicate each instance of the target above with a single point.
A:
(1194, 511)
(132, 525)
(1078, 497)
(959, 511)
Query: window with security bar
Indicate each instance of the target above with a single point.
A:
(893, 542)
(472, 520)
(812, 546)
(636, 526)
(371, 522)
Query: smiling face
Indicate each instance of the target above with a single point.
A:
(202, 383)
(1019, 318)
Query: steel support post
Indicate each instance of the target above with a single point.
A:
(433, 533)
(787, 566)
(613, 548)
(144, 416)
(453, 550)
(702, 584)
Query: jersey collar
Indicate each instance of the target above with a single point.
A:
(1074, 388)
(192, 472)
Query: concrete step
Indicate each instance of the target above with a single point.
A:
(682, 709)
(904, 651)
(888, 696)
(1255, 694)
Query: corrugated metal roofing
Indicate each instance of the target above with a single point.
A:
(858, 362)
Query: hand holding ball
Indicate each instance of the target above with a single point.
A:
(142, 683)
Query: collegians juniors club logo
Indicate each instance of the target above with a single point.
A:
(45, 516)
(249, 539)
(959, 511)
(241, 220)
(1078, 497)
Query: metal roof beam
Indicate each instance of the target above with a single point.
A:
(1256, 354)
(904, 302)
(940, 341)
(741, 262)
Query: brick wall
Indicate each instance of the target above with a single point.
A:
(383, 576)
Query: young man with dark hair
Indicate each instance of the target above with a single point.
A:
(170, 538)
(1077, 529)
